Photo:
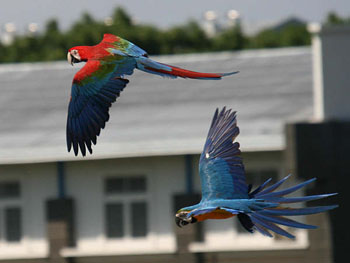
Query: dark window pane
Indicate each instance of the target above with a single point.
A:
(114, 220)
(136, 184)
(139, 219)
(115, 185)
(13, 224)
(118, 185)
(9, 189)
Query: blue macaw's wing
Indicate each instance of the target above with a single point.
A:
(95, 87)
(220, 168)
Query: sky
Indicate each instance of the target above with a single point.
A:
(165, 13)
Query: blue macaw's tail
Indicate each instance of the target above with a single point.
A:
(154, 67)
(269, 218)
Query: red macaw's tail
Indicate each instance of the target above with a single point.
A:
(154, 67)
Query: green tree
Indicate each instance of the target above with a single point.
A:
(52, 43)
(230, 39)
(184, 39)
(334, 19)
(290, 35)
(295, 35)
(266, 38)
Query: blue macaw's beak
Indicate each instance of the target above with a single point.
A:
(181, 220)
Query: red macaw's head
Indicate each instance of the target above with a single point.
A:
(77, 54)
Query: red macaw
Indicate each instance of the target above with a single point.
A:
(97, 85)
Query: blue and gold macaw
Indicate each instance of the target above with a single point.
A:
(225, 192)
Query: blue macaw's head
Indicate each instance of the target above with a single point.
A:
(182, 218)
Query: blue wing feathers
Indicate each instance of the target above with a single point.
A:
(221, 167)
(88, 112)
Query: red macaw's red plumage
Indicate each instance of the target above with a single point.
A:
(97, 85)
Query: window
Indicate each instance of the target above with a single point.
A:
(13, 224)
(139, 219)
(10, 212)
(120, 185)
(256, 178)
(114, 220)
(9, 190)
(126, 207)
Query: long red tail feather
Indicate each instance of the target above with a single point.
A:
(184, 73)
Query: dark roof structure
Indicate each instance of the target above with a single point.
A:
(154, 115)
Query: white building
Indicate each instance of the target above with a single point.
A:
(119, 203)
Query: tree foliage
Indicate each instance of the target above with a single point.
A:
(334, 19)
(53, 43)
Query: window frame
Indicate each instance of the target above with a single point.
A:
(127, 199)
(8, 202)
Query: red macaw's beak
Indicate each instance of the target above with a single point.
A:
(71, 59)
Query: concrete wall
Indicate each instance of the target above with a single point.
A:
(331, 60)
(37, 183)
(166, 177)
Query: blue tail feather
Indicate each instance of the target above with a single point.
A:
(284, 221)
(288, 190)
(262, 229)
(268, 218)
(296, 199)
(298, 211)
(272, 187)
(271, 226)
(260, 188)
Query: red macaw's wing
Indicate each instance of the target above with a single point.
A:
(122, 47)
(220, 167)
(95, 87)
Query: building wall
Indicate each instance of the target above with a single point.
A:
(331, 58)
(85, 183)
(166, 177)
(37, 183)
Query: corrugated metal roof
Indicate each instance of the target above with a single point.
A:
(154, 115)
